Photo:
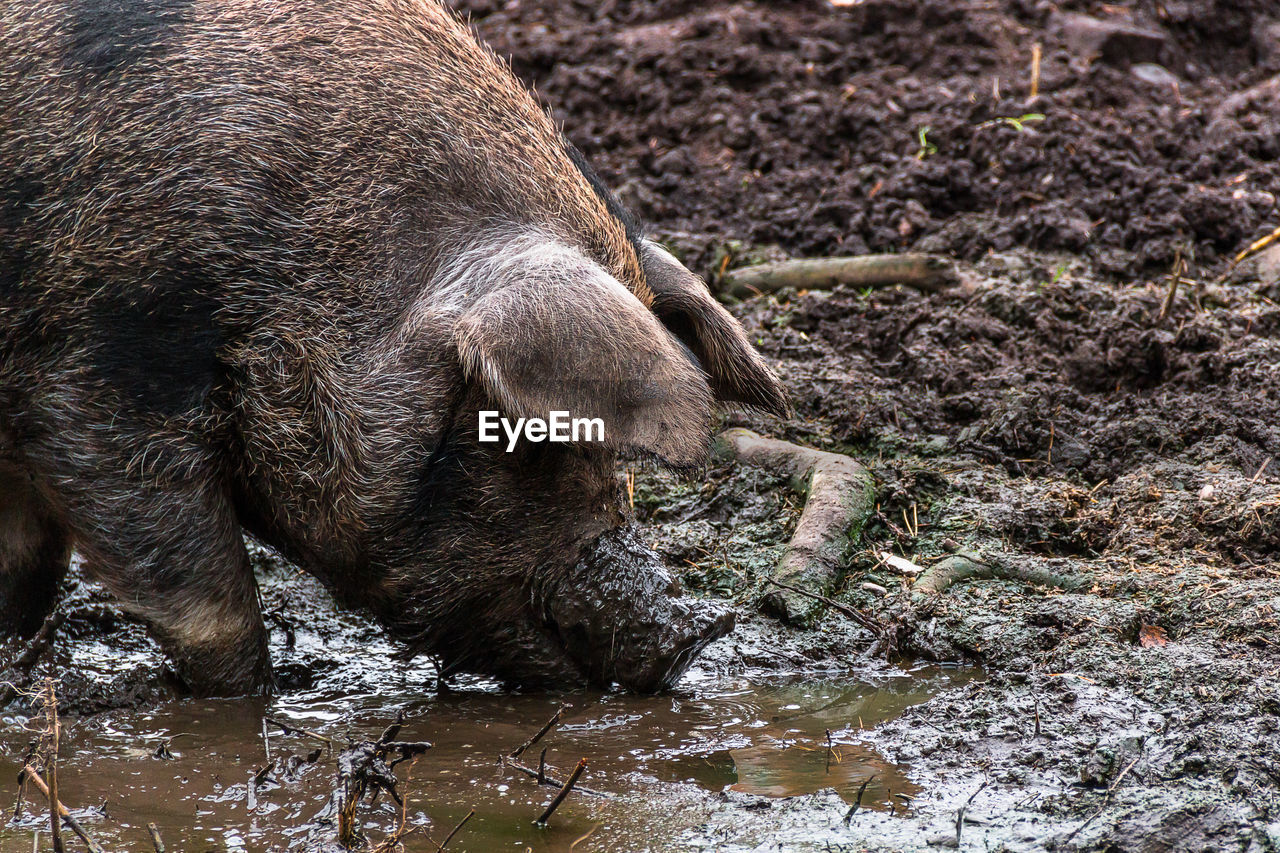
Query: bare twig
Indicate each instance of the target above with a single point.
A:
(965, 808)
(546, 778)
(31, 773)
(1254, 247)
(1036, 51)
(156, 841)
(290, 729)
(1106, 798)
(27, 658)
(450, 836)
(51, 763)
(921, 272)
(856, 615)
(862, 789)
(1175, 278)
(840, 497)
(541, 733)
(564, 792)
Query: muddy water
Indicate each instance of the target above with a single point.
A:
(659, 757)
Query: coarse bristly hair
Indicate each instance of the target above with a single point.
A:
(260, 264)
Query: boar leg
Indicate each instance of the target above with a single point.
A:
(34, 553)
(155, 525)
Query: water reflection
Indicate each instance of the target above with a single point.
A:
(760, 736)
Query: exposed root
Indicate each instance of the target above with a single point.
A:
(840, 498)
(922, 272)
(363, 768)
(939, 577)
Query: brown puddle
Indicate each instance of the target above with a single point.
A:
(658, 756)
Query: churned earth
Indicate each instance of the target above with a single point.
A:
(1055, 410)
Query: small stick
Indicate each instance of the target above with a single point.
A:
(450, 836)
(828, 750)
(51, 710)
(862, 789)
(291, 730)
(1106, 798)
(1036, 50)
(542, 767)
(156, 841)
(31, 773)
(965, 808)
(553, 782)
(856, 615)
(926, 273)
(40, 643)
(261, 775)
(564, 792)
(1255, 247)
(548, 726)
(17, 803)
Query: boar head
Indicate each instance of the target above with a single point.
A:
(524, 564)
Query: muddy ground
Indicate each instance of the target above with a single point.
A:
(1044, 410)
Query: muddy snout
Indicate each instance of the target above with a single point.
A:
(623, 618)
(657, 662)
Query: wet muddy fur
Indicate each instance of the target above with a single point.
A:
(270, 297)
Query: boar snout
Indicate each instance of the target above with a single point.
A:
(620, 614)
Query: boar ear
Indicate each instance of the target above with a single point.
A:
(564, 335)
(682, 302)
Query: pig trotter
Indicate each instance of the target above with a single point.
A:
(840, 498)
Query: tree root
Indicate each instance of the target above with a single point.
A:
(922, 272)
(939, 577)
(840, 498)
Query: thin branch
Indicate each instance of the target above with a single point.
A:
(926, 273)
(564, 792)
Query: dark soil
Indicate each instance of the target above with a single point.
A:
(799, 124)
(1048, 410)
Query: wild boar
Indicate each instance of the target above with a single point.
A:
(262, 266)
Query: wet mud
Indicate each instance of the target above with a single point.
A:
(742, 729)
(1056, 410)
